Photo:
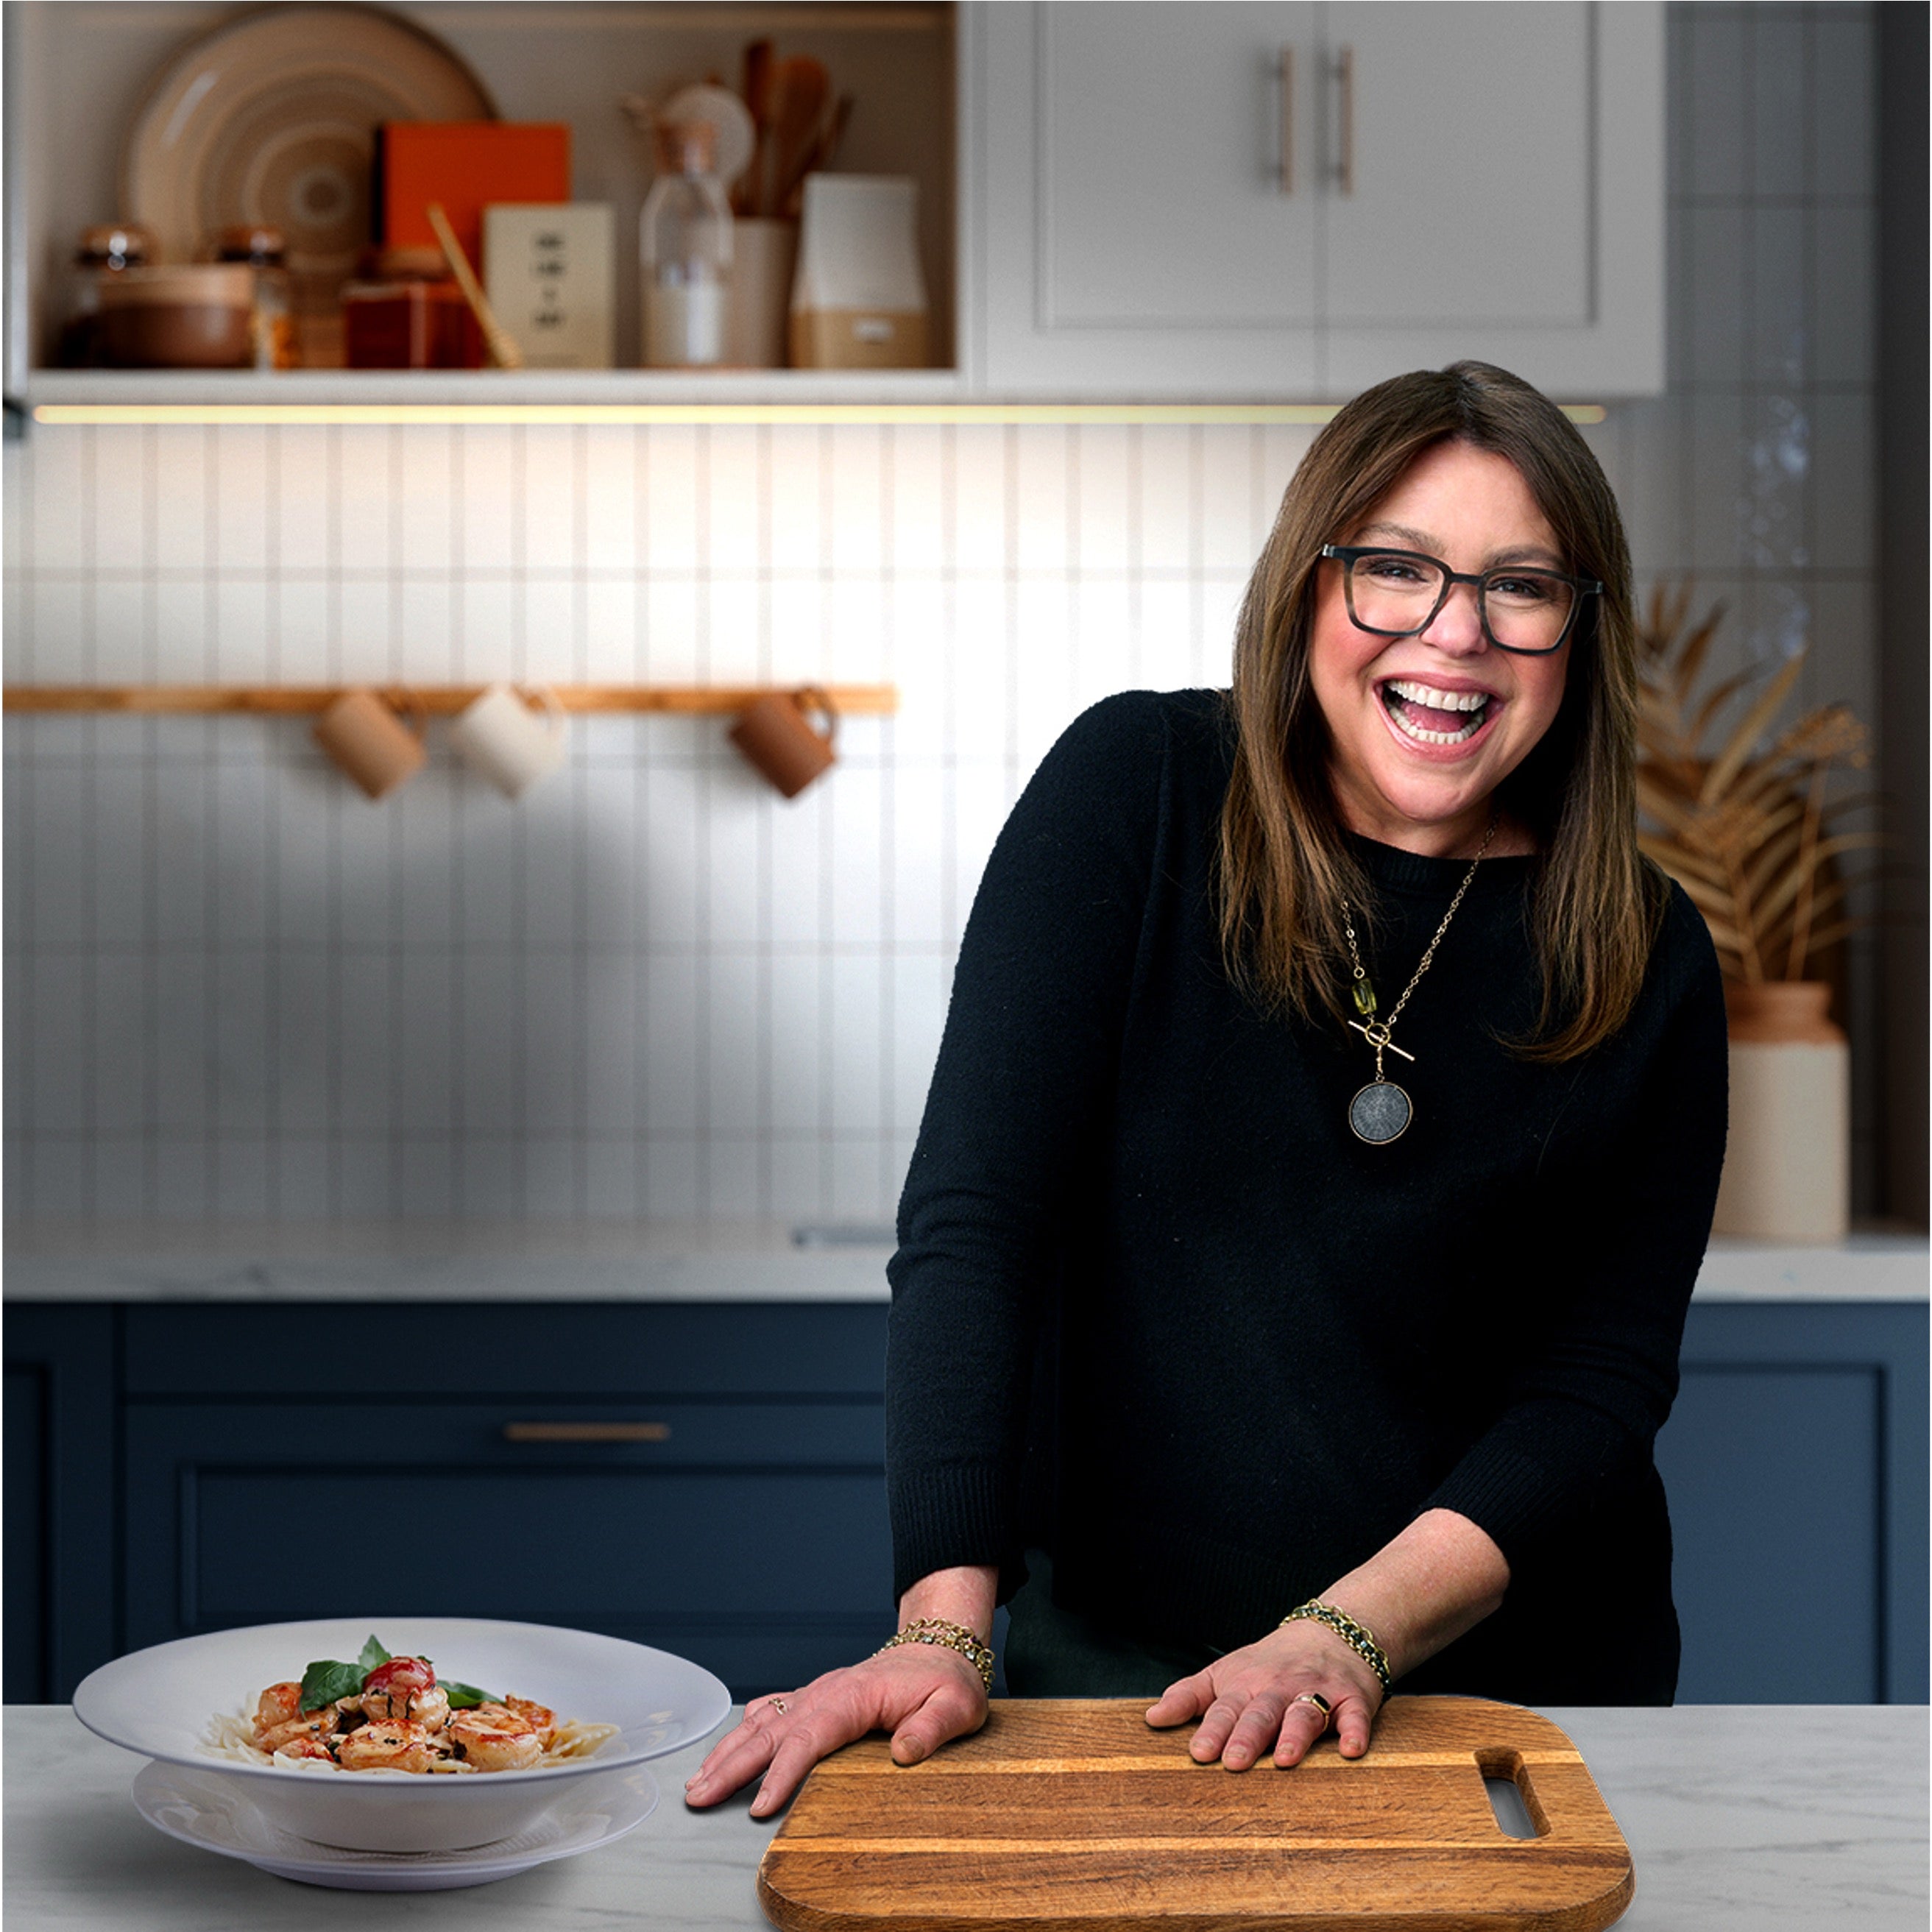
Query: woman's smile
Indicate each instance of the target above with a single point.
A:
(1439, 711)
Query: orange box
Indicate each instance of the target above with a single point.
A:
(466, 165)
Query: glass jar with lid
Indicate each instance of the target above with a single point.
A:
(106, 248)
(404, 310)
(684, 248)
(265, 250)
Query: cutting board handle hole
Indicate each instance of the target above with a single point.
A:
(1506, 1779)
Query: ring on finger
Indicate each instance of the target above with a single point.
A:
(1320, 1702)
(779, 1705)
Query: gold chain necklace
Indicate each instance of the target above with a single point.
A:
(1381, 1110)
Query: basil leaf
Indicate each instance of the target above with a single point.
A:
(323, 1682)
(467, 1696)
(373, 1655)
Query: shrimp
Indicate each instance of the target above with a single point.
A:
(279, 1718)
(539, 1717)
(405, 1690)
(389, 1745)
(493, 1737)
(316, 1726)
(279, 1704)
(305, 1747)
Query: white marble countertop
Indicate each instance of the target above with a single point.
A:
(1740, 1818)
(689, 1261)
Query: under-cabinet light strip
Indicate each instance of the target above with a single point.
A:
(649, 414)
(441, 700)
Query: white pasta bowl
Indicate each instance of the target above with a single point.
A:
(161, 1703)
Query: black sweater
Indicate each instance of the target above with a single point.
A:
(1156, 1309)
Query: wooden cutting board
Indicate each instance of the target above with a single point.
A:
(1074, 1813)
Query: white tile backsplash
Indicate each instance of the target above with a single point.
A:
(652, 987)
(367, 504)
(547, 462)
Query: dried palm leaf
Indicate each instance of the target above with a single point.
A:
(1742, 829)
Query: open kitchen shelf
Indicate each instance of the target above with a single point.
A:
(77, 76)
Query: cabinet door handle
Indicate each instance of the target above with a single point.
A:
(586, 1432)
(1286, 72)
(1344, 74)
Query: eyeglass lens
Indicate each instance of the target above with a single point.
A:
(1526, 610)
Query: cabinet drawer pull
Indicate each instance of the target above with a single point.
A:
(586, 1432)
(1287, 72)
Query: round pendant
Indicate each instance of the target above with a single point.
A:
(1380, 1112)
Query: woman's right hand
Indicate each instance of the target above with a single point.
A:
(922, 1693)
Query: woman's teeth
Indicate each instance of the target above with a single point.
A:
(1424, 713)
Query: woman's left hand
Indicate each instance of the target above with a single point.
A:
(1246, 1700)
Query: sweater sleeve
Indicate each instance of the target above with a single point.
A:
(1630, 1231)
(1022, 1089)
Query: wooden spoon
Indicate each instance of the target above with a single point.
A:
(804, 84)
(749, 196)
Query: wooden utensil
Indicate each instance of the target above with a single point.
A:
(498, 339)
(748, 198)
(1064, 1814)
(803, 85)
(824, 148)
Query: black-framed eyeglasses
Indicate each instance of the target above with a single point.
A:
(1396, 593)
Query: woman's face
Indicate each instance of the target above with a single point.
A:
(1430, 794)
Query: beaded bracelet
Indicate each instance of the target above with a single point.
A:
(1350, 1632)
(948, 1636)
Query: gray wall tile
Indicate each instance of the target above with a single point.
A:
(1842, 80)
(1718, 101)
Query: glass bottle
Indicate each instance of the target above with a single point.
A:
(104, 249)
(685, 246)
(265, 250)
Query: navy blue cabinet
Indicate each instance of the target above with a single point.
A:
(60, 1467)
(1796, 1464)
(710, 1478)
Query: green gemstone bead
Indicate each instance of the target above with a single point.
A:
(1365, 997)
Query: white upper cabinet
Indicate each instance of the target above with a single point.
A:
(1207, 199)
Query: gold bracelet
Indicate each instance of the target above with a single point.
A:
(948, 1636)
(1350, 1632)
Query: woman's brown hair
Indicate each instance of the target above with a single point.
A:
(1595, 902)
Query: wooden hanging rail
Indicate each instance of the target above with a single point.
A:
(291, 699)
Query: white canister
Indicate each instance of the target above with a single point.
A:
(1787, 1162)
(858, 300)
(511, 745)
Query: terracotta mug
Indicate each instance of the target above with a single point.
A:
(362, 732)
(510, 744)
(776, 736)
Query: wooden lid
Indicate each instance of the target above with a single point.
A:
(180, 285)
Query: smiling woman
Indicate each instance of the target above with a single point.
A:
(1254, 1383)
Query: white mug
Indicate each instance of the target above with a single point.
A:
(511, 745)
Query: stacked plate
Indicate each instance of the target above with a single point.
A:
(211, 1812)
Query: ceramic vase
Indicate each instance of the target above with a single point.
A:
(1787, 1163)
